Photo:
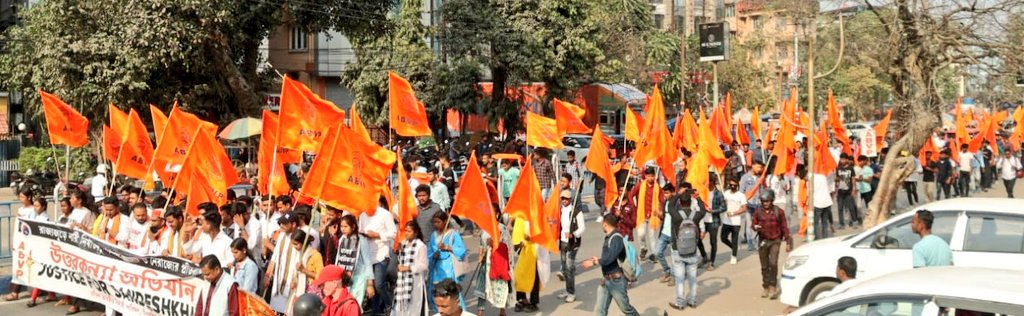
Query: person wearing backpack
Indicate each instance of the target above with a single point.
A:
(613, 283)
(686, 235)
(770, 224)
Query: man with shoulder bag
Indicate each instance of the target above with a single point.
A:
(686, 235)
(1009, 169)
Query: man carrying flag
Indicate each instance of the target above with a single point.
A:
(647, 198)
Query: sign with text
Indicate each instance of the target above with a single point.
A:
(714, 41)
(66, 261)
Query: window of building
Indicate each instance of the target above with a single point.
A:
(758, 52)
(300, 40)
(659, 21)
(730, 10)
(780, 22)
(758, 23)
(782, 51)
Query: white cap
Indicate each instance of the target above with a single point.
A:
(102, 168)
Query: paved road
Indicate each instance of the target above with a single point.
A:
(728, 290)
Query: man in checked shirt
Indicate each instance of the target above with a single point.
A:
(770, 224)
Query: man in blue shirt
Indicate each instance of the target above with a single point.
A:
(931, 250)
(613, 282)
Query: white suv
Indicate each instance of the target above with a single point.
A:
(981, 232)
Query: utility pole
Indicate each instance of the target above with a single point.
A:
(810, 141)
(684, 31)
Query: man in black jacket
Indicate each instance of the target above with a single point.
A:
(613, 284)
(684, 259)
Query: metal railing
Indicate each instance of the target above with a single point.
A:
(7, 219)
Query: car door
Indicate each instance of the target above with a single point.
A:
(991, 240)
(876, 258)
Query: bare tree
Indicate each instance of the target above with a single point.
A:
(925, 37)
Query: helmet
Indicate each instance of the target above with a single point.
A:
(767, 195)
(308, 305)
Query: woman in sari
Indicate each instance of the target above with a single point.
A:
(445, 249)
(410, 290)
(354, 256)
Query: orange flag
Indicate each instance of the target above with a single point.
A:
(356, 123)
(698, 174)
(118, 120)
(755, 123)
(526, 202)
(728, 111)
(473, 203)
(837, 124)
(568, 118)
(406, 206)
(136, 150)
(770, 135)
(720, 125)
(882, 128)
(170, 151)
(742, 136)
(159, 121)
(111, 143)
(657, 144)
(65, 125)
(206, 161)
(549, 224)
(979, 138)
(600, 164)
(633, 124)
(690, 133)
(199, 192)
(353, 170)
(678, 133)
(824, 163)
(407, 115)
(542, 131)
(270, 169)
(709, 144)
(305, 117)
(928, 152)
(961, 124)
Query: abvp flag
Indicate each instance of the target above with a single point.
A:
(136, 150)
(407, 115)
(173, 146)
(526, 202)
(600, 164)
(473, 203)
(206, 161)
(65, 125)
(305, 117)
(349, 172)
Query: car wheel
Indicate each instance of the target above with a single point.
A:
(820, 287)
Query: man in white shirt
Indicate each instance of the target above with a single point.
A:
(251, 230)
(822, 202)
(1008, 165)
(380, 230)
(732, 219)
(137, 235)
(846, 272)
(572, 228)
(964, 163)
(99, 182)
(281, 267)
(170, 241)
(210, 240)
(438, 191)
(112, 226)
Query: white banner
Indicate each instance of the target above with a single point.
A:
(58, 259)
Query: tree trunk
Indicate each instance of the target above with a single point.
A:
(246, 99)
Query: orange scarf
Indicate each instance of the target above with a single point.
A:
(102, 221)
(641, 203)
(802, 198)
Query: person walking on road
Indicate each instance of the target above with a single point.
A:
(1008, 167)
(931, 250)
(613, 282)
(770, 224)
(684, 217)
(571, 234)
